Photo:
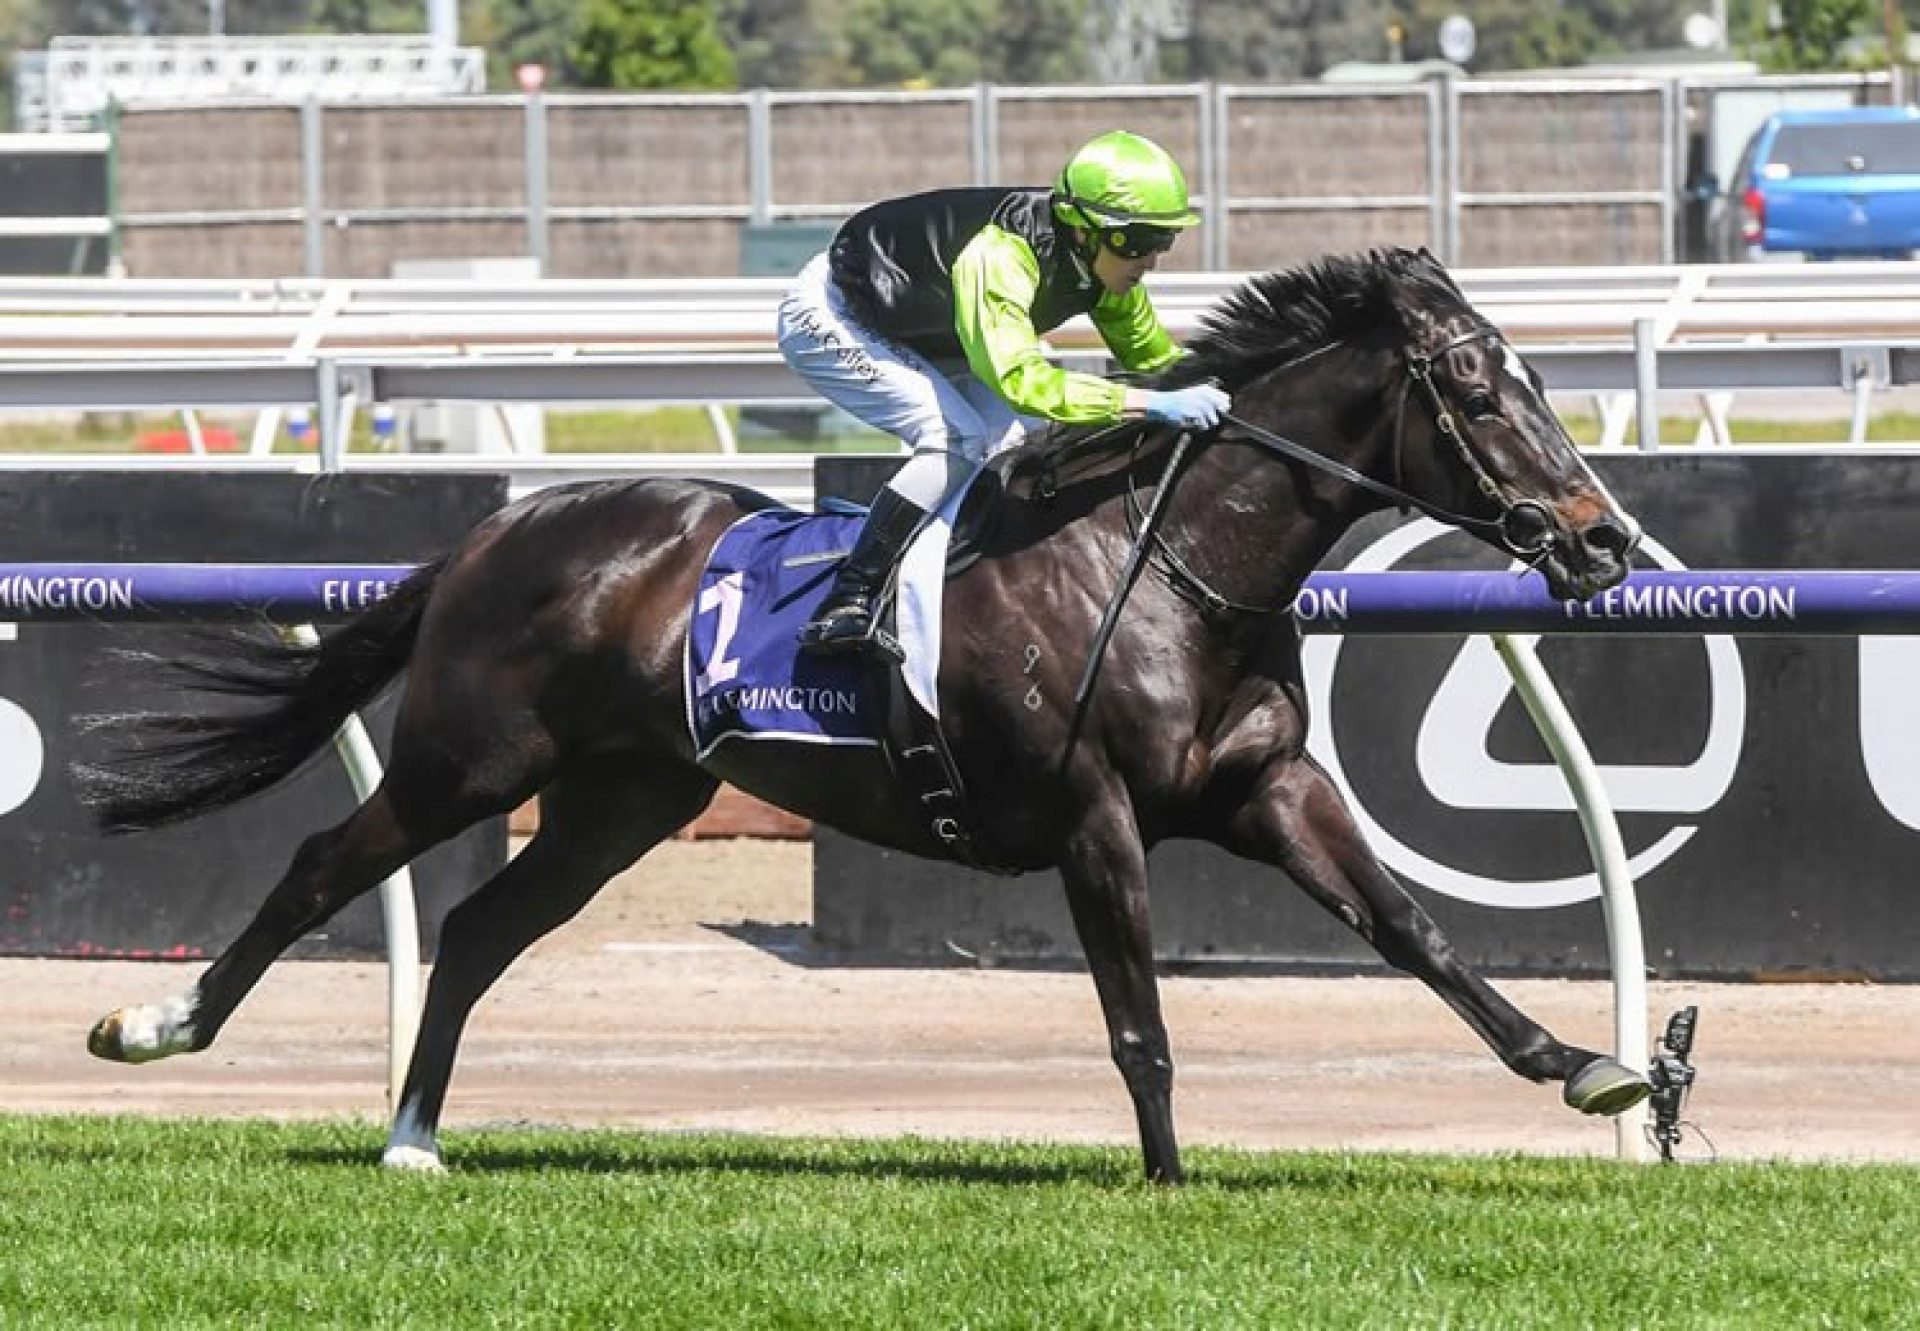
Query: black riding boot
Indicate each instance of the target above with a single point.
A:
(844, 622)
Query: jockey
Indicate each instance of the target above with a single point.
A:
(924, 318)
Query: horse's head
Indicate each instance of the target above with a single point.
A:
(1476, 438)
(1434, 407)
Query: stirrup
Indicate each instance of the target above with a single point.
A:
(850, 627)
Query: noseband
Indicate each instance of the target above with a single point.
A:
(1525, 526)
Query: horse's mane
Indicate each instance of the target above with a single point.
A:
(1273, 318)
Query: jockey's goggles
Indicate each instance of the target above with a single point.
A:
(1137, 240)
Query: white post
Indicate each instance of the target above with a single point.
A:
(443, 23)
(1646, 383)
(1625, 949)
(1862, 410)
(397, 914)
(722, 428)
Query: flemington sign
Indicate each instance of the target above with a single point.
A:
(1653, 601)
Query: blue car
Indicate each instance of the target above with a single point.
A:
(1832, 184)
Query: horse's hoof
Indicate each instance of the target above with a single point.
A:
(143, 1033)
(103, 1041)
(1606, 1088)
(413, 1159)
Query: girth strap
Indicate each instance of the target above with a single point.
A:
(916, 752)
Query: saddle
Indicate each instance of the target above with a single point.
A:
(747, 680)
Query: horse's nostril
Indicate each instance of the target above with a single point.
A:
(1609, 537)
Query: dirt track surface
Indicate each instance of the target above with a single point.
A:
(651, 1011)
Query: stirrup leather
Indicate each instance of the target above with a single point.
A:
(849, 620)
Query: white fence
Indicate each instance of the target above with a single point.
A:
(1535, 306)
(1624, 335)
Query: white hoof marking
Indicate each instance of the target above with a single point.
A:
(156, 1030)
(413, 1159)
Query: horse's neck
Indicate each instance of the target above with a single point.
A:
(1258, 523)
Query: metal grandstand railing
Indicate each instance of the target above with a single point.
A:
(70, 85)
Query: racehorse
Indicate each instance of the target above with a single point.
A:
(544, 657)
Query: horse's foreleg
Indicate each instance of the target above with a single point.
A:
(595, 820)
(1105, 869)
(1298, 821)
(330, 869)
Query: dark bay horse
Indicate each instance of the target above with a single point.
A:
(544, 657)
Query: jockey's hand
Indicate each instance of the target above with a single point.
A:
(1197, 407)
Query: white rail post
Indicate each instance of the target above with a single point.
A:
(398, 917)
(1646, 382)
(1625, 949)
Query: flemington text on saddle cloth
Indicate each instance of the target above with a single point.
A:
(746, 677)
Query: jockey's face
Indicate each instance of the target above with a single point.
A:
(1120, 275)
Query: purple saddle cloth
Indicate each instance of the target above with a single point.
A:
(746, 677)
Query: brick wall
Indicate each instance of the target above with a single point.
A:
(733, 813)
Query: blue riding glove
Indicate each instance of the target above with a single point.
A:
(1198, 407)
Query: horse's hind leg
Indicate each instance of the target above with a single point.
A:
(330, 869)
(595, 820)
(1298, 821)
(460, 754)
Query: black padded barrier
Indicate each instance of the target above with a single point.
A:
(186, 891)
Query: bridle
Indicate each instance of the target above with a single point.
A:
(1524, 527)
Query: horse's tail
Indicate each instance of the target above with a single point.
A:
(170, 767)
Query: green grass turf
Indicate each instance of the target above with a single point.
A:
(127, 1222)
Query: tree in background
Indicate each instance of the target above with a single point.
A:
(1638, 25)
(177, 18)
(1038, 42)
(1510, 34)
(23, 26)
(511, 32)
(890, 43)
(1812, 32)
(906, 43)
(522, 32)
(656, 45)
(783, 43)
(369, 16)
(933, 43)
(1278, 41)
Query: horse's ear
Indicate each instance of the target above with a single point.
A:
(1433, 263)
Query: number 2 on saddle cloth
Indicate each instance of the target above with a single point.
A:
(746, 678)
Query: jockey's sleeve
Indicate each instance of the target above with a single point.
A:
(995, 281)
(1133, 332)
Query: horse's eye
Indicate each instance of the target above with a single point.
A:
(1480, 405)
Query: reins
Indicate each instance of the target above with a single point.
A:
(1279, 443)
(1129, 574)
(1525, 543)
